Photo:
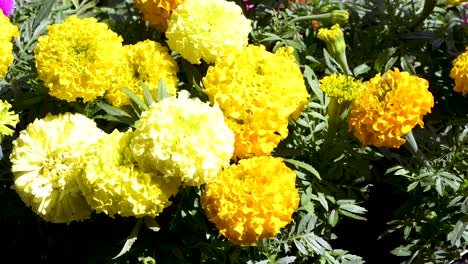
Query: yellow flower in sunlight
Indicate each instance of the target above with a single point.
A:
(46, 161)
(144, 62)
(390, 108)
(252, 200)
(114, 185)
(342, 87)
(459, 73)
(7, 32)
(157, 12)
(78, 58)
(8, 119)
(252, 84)
(207, 29)
(333, 38)
(183, 138)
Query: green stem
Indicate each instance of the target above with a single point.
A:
(312, 17)
(429, 6)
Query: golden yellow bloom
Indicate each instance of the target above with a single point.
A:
(114, 185)
(390, 108)
(459, 73)
(183, 138)
(207, 29)
(252, 84)
(46, 161)
(454, 2)
(78, 58)
(157, 12)
(8, 119)
(252, 200)
(148, 62)
(7, 32)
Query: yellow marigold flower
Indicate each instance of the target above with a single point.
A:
(390, 108)
(114, 185)
(7, 32)
(148, 62)
(157, 12)
(342, 87)
(8, 119)
(78, 58)
(252, 84)
(184, 138)
(459, 73)
(207, 29)
(252, 200)
(46, 161)
(333, 38)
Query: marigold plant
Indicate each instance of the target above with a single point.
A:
(252, 200)
(113, 184)
(46, 161)
(157, 12)
(392, 105)
(207, 29)
(459, 73)
(78, 58)
(183, 138)
(252, 84)
(145, 62)
(7, 32)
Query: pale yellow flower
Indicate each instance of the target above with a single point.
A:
(183, 138)
(47, 158)
(207, 29)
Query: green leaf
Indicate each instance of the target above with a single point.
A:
(401, 251)
(313, 83)
(147, 93)
(300, 246)
(43, 12)
(323, 200)
(162, 90)
(457, 232)
(333, 218)
(135, 99)
(130, 239)
(412, 186)
(305, 166)
(360, 69)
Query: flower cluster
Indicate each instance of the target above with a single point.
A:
(392, 105)
(258, 92)
(113, 184)
(157, 12)
(207, 29)
(183, 138)
(8, 119)
(252, 200)
(7, 32)
(144, 62)
(77, 58)
(344, 88)
(459, 73)
(46, 162)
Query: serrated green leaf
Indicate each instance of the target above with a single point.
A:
(351, 215)
(333, 218)
(457, 232)
(353, 208)
(360, 69)
(303, 223)
(401, 251)
(313, 82)
(286, 260)
(323, 200)
(300, 246)
(147, 94)
(136, 99)
(412, 186)
(304, 166)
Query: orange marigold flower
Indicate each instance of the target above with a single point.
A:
(390, 108)
(252, 200)
(459, 73)
(157, 12)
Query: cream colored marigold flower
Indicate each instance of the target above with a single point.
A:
(459, 73)
(252, 200)
(7, 32)
(114, 185)
(78, 58)
(157, 12)
(46, 161)
(184, 138)
(390, 108)
(252, 84)
(207, 29)
(8, 119)
(144, 62)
